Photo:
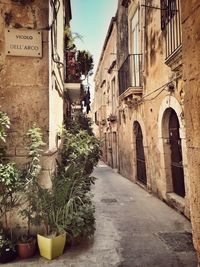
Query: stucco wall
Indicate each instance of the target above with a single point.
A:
(150, 112)
(57, 81)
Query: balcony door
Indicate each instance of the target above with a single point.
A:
(135, 60)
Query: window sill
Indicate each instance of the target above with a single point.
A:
(174, 61)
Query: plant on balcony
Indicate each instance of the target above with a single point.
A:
(85, 62)
(70, 38)
(112, 118)
(79, 63)
(103, 122)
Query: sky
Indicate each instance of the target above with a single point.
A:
(91, 19)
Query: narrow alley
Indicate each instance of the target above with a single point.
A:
(143, 230)
(134, 229)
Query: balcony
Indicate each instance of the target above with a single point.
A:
(102, 115)
(78, 65)
(130, 82)
(72, 77)
(171, 26)
(112, 118)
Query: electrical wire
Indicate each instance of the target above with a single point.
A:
(162, 88)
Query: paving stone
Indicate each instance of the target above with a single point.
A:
(128, 221)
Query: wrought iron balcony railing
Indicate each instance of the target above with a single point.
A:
(130, 72)
(171, 25)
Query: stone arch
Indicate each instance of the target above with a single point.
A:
(137, 118)
(170, 103)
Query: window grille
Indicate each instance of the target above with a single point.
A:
(171, 24)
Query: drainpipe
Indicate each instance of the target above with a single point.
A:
(50, 69)
(144, 36)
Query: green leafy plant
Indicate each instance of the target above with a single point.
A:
(79, 63)
(31, 173)
(81, 149)
(80, 152)
(85, 62)
(7, 248)
(70, 38)
(67, 205)
(4, 125)
(9, 195)
(9, 191)
(78, 122)
(9, 179)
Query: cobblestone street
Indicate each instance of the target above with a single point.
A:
(134, 229)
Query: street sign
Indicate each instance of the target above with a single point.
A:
(23, 42)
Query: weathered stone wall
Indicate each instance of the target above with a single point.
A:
(151, 112)
(31, 88)
(24, 80)
(191, 74)
(106, 96)
(122, 33)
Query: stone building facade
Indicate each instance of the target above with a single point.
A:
(191, 75)
(32, 86)
(105, 105)
(151, 129)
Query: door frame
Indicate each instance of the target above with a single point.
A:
(163, 144)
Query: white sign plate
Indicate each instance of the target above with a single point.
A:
(20, 42)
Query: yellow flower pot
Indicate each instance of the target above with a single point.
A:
(51, 247)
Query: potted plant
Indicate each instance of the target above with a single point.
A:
(9, 200)
(7, 248)
(9, 195)
(28, 212)
(79, 154)
(63, 209)
(9, 192)
(52, 210)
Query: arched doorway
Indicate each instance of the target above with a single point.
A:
(140, 157)
(176, 155)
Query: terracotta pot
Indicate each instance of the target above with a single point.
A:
(26, 250)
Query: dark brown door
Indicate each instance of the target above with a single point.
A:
(176, 155)
(140, 158)
(105, 148)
